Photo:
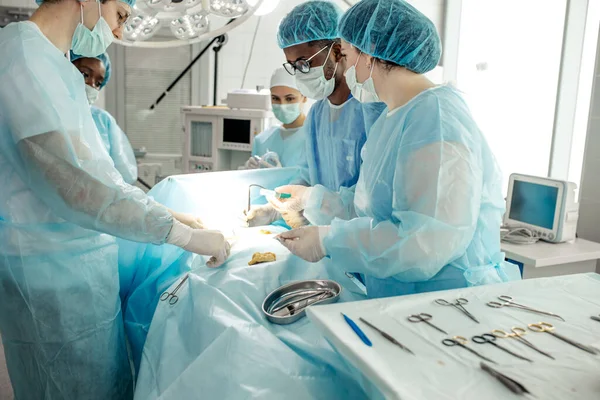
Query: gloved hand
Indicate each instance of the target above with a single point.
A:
(261, 216)
(252, 163)
(292, 209)
(306, 242)
(188, 219)
(270, 160)
(200, 241)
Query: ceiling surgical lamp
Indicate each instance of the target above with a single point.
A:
(173, 23)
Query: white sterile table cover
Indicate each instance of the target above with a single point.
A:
(440, 372)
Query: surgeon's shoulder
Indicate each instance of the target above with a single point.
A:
(23, 41)
(266, 134)
(101, 114)
(443, 112)
(440, 100)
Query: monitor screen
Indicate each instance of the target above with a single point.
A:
(236, 131)
(533, 204)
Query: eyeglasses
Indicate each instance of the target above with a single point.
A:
(301, 65)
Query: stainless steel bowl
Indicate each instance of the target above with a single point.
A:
(288, 303)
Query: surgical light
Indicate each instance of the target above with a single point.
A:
(173, 23)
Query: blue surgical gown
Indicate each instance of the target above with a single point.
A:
(335, 136)
(117, 144)
(428, 205)
(289, 144)
(61, 205)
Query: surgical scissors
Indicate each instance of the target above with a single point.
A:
(517, 333)
(491, 339)
(172, 297)
(458, 305)
(462, 342)
(424, 318)
(549, 328)
(508, 301)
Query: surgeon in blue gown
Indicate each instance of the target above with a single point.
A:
(282, 145)
(61, 205)
(337, 123)
(96, 72)
(428, 205)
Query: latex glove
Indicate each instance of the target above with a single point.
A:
(306, 242)
(261, 216)
(200, 241)
(292, 209)
(297, 202)
(252, 163)
(270, 160)
(188, 219)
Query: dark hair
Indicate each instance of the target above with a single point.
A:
(387, 65)
(322, 43)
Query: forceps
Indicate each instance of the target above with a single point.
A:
(517, 333)
(424, 318)
(491, 339)
(462, 342)
(458, 305)
(508, 301)
(387, 336)
(172, 297)
(595, 318)
(549, 328)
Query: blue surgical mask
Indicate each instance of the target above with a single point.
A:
(92, 43)
(287, 113)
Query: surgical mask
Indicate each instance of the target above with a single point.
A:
(287, 113)
(364, 92)
(92, 43)
(314, 84)
(92, 94)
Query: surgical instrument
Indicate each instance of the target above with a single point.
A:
(462, 342)
(491, 339)
(595, 318)
(266, 192)
(517, 333)
(549, 328)
(295, 306)
(424, 318)
(508, 301)
(509, 383)
(357, 330)
(458, 305)
(387, 336)
(172, 297)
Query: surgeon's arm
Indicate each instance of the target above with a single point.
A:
(441, 184)
(72, 193)
(323, 205)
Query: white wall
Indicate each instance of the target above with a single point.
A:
(589, 195)
(267, 56)
(18, 3)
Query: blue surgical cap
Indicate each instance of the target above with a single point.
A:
(393, 30)
(102, 57)
(313, 20)
(130, 3)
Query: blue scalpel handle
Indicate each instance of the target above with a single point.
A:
(358, 331)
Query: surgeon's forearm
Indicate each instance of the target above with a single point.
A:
(323, 205)
(385, 249)
(73, 194)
